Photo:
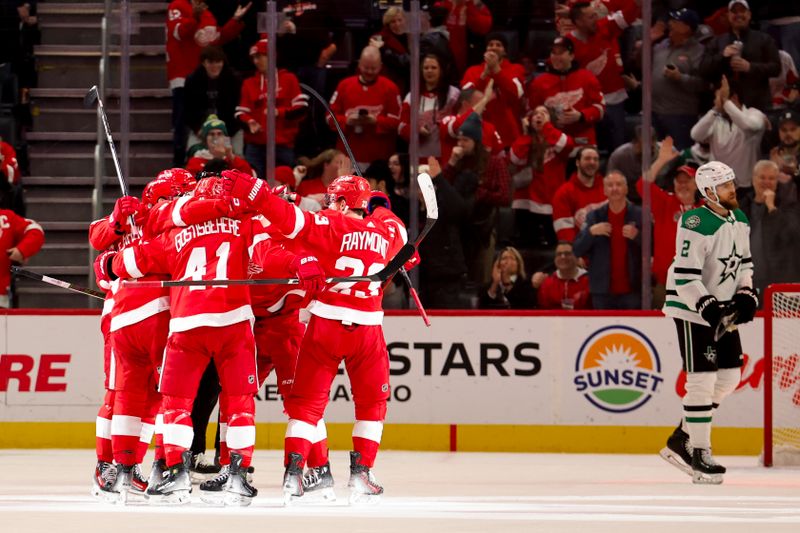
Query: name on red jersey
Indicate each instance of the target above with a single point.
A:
(220, 225)
(365, 240)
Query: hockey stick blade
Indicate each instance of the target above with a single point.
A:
(431, 206)
(404, 254)
(90, 98)
(58, 283)
(726, 324)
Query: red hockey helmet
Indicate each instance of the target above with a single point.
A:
(354, 189)
(209, 187)
(183, 179)
(157, 189)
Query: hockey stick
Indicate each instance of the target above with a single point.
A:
(404, 254)
(89, 100)
(58, 283)
(727, 323)
(324, 103)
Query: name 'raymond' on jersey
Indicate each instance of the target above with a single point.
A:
(712, 256)
(365, 240)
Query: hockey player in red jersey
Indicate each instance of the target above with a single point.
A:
(345, 321)
(138, 326)
(208, 322)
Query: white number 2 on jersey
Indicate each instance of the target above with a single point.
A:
(356, 267)
(196, 265)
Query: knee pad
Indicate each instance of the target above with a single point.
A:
(699, 388)
(374, 410)
(727, 381)
(241, 429)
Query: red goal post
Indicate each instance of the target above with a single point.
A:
(782, 375)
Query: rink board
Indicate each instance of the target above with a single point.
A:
(473, 382)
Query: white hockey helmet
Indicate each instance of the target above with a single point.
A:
(710, 175)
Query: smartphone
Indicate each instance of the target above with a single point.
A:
(363, 112)
(671, 66)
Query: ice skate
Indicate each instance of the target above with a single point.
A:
(293, 479)
(103, 481)
(318, 483)
(212, 491)
(364, 488)
(176, 485)
(678, 451)
(122, 486)
(156, 474)
(238, 491)
(706, 470)
(202, 469)
(138, 482)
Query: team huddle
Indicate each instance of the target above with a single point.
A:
(159, 341)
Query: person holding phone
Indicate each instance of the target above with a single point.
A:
(677, 88)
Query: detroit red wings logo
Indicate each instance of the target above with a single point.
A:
(598, 64)
(564, 100)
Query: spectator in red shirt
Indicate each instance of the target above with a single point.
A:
(367, 106)
(320, 172)
(493, 192)
(597, 50)
(582, 193)
(667, 209)
(542, 152)
(20, 238)
(216, 144)
(290, 107)
(463, 16)
(470, 101)
(611, 242)
(437, 100)
(572, 94)
(505, 109)
(568, 287)
(190, 28)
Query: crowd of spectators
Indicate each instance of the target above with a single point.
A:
(535, 151)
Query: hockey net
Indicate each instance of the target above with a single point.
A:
(782, 375)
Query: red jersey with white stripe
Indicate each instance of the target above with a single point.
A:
(24, 234)
(270, 259)
(463, 17)
(215, 249)
(571, 202)
(576, 88)
(9, 165)
(505, 109)
(448, 134)
(381, 98)
(599, 53)
(430, 114)
(129, 305)
(344, 246)
(547, 177)
(290, 106)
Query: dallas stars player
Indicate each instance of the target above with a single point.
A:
(708, 285)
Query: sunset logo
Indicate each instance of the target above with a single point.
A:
(618, 369)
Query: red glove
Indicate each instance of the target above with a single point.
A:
(243, 186)
(413, 262)
(102, 273)
(123, 209)
(310, 274)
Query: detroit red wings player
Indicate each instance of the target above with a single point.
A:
(345, 323)
(207, 322)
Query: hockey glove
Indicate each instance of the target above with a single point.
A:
(123, 209)
(285, 193)
(244, 187)
(711, 310)
(102, 269)
(745, 301)
(310, 274)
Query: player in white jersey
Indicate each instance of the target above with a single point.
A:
(709, 292)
